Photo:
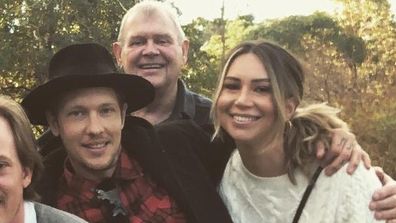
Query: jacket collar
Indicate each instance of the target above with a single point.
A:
(185, 105)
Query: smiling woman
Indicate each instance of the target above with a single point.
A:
(246, 85)
(257, 104)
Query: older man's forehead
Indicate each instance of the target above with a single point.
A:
(137, 25)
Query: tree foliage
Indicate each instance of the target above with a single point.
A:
(200, 73)
(373, 22)
(32, 30)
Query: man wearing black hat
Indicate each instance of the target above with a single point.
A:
(115, 169)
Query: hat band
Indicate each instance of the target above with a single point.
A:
(86, 69)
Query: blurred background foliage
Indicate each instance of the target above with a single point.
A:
(351, 56)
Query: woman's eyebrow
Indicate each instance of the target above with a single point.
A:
(262, 80)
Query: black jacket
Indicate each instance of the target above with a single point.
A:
(190, 105)
(172, 158)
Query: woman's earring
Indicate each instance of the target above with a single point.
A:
(289, 124)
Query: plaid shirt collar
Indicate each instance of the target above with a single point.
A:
(126, 170)
(138, 199)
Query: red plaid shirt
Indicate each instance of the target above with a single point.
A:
(140, 198)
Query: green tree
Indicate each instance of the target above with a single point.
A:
(200, 72)
(373, 21)
(207, 49)
(237, 30)
(327, 49)
(32, 30)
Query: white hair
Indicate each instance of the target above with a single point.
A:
(148, 8)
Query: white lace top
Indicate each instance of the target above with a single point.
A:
(340, 198)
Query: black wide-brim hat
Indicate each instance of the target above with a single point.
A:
(84, 66)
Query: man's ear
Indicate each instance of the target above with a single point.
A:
(52, 123)
(123, 113)
(291, 106)
(117, 48)
(185, 47)
(27, 176)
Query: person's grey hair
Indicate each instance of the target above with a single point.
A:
(149, 8)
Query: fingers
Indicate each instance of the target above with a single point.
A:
(354, 161)
(341, 152)
(388, 190)
(383, 204)
(344, 148)
(387, 180)
(358, 154)
(320, 150)
(365, 157)
(380, 174)
(337, 163)
(329, 154)
(384, 200)
(386, 214)
(341, 138)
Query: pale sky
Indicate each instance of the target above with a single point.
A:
(261, 9)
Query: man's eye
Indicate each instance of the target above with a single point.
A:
(3, 165)
(162, 41)
(105, 111)
(136, 42)
(76, 113)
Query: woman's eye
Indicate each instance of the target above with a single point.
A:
(263, 89)
(231, 86)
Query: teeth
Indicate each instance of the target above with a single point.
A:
(96, 146)
(239, 118)
(151, 66)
